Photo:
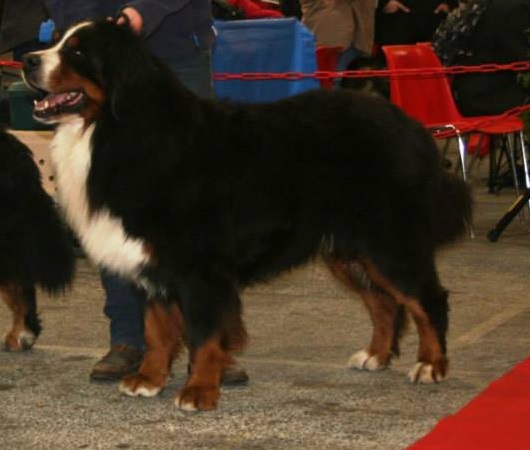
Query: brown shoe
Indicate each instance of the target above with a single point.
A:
(121, 360)
(234, 375)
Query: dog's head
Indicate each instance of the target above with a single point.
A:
(86, 71)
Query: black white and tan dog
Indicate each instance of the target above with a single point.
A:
(194, 200)
(35, 248)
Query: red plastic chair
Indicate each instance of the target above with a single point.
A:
(327, 58)
(429, 100)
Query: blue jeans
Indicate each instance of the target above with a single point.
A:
(345, 58)
(124, 303)
(124, 306)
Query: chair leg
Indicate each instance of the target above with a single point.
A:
(462, 149)
(511, 155)
(524, 156)
(475, 157)
(493, 167)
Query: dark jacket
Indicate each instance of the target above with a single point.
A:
(172, 28)
(418, 25)
(421, 6)
(500, 36)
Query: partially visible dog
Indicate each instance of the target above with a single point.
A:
(35, 248)
(379, 86)
(195, 199)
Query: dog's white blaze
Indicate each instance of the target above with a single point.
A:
(50, 58)
(101, 234)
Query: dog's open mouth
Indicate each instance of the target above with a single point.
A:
(56, 104)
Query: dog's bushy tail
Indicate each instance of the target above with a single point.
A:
(452, 209)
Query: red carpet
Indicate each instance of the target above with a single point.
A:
(499, 418)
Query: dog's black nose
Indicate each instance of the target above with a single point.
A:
(31, 61)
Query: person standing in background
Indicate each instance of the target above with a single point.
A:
(409, 21)
(348, 24)
(486, 31)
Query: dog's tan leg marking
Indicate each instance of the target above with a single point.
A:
(201, 391)
(432, 365)
(383, 312)
(164, 332)
(19, 337)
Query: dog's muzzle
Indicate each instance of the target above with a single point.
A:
(31, 65)
(53, 104)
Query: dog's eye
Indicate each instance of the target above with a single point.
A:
(72, 47)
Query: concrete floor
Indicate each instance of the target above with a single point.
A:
(303, 328)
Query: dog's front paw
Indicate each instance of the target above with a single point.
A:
(198, 398)
(425, 373)
(362, 360)
(140, 385)
(15, 342)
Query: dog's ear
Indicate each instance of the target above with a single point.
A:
(133, 97)
(122, 102)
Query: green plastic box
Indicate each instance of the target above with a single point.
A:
(21, 100)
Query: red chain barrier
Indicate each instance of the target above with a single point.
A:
(323, 75)
(13, 64)
(412, 73)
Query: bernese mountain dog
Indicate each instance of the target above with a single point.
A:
(35, 247)
(194, 200)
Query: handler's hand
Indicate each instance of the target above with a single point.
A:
(135, 19)
(394, 6)
(442, 8)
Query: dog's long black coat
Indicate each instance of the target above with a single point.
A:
(35, 248)
(229, 194)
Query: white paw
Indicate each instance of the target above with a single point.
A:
(423, 373)
(185, 406)
(363, 361)
(140, 391)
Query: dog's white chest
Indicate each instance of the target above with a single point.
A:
(101, 234)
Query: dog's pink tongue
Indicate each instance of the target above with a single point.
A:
(52, 100)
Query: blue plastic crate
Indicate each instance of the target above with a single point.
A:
(264, 45)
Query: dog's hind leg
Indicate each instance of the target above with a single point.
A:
(388, 318)
(429, 310)
(21, 300)
(164, 331)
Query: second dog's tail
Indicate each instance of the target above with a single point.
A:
(452, 208)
